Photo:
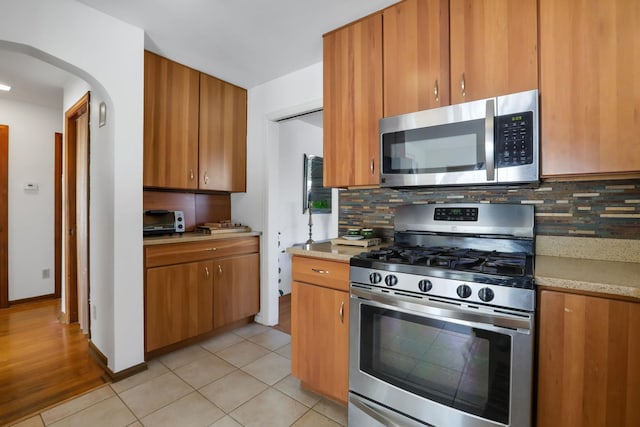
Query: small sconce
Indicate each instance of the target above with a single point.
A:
(102, 114)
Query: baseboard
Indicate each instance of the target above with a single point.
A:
(32, 299)
(113, 377)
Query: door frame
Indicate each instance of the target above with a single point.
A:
(71, 198)
(57, 214)
(4, 216)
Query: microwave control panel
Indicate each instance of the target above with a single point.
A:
(514, 142)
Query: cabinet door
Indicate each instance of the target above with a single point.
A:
(171, 93)
(178, 303)
(320, 339)
(588, 374)
(223, 135)
(589, 87)
(352, 103)
(236, 289)
(493, 48)
(416, 56)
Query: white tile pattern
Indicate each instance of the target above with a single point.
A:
(239, 379)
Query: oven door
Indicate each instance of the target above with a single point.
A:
(440, 363)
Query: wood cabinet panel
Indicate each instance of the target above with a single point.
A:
(236, 290)
(320, 339)
(175, 253)
(330, 274)
(223, 135)
(352, 93)
(589, 87)
(178, 303)
(587, 369)
(494, 45)
(416, 56)
(171, 95)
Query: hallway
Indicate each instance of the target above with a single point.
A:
(42, 361)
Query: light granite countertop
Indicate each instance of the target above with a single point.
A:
(603, 276)
(194, 237)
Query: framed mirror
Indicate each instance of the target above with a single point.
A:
(313, 192)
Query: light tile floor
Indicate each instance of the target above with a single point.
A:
(241, 378)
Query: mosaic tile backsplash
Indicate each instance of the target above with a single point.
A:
(608, 209)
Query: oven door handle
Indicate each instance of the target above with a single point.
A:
(441, 311)
(371, 412)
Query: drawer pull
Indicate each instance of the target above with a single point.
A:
(212, 249)
(341, 312)
(317, 270)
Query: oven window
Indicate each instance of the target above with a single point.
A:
(458, 366)
(436, 149)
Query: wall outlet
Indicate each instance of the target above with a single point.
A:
(46, 273)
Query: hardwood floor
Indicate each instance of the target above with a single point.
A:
(42, 361)
(284, 306)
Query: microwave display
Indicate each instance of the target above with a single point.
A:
(515, 139)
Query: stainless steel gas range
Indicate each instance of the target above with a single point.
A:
(442, 322)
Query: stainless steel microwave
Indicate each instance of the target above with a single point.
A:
(489, 141)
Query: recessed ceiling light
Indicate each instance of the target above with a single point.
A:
(5, 87)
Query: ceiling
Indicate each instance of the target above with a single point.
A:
(245, 42)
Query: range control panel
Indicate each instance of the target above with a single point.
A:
(514, 145)
(456, 214)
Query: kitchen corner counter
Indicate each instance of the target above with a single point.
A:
(326, 250)
(604, 277)
(195, 237)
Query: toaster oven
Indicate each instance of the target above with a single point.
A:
(159, 221)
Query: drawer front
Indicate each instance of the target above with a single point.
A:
(175, 253)
(330, 274)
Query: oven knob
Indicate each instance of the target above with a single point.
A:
(464, 291)
(425, 285)
(375, 278)
(486, 294)
(391, 280)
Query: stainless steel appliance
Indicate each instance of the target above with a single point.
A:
(160, 221)
(442, 322)
(490, 141)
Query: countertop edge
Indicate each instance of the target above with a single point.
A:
(195, 237)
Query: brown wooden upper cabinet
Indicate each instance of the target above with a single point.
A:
(589, 87)
(494, 48)
(195, 129)
(352, 103)
(171, 93)
(416, 56)
(223, 135)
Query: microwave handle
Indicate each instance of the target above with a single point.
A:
(489, 145)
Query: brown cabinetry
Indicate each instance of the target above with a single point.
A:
(194, 129)
(194, 288)
(589, 90)
(416, 56)
(494, 48)
(171, 93)
(320, 325)
(352, 93)
(588, 373)
(223, 135)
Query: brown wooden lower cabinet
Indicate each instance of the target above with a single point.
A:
(320, 328)
(588, 361)
(193, 288)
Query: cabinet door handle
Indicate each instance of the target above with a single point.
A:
(316, 270)
(206, 272)
(341, 312)
(219, 269)
(206, 178)
(191, 175)
(436, 91)
(212, 249)
(372, 166)
(462, 85)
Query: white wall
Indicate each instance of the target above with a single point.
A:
(295, 93)
(297, 137)
(31, 212)
(109, 55)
